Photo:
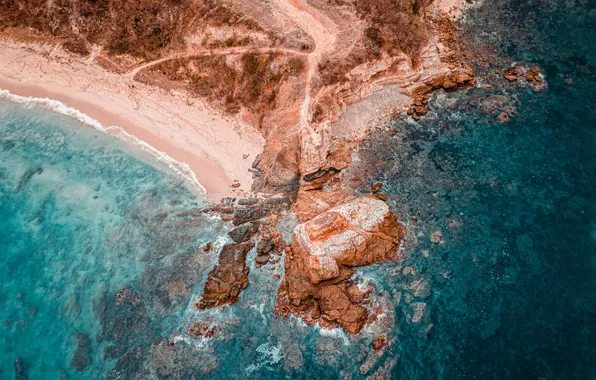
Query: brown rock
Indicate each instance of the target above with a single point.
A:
(207, 247)
(437, 237)
(503, 117)
(243, 233)
(421, 110)
(337, 307)
(376, 187)
(512, 74)
(227, 278)
(382, 196)
(265, 247)
(355, 294)
(262, 260)
(379, 342)
(325, 249)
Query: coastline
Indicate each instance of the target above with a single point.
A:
(218, 150)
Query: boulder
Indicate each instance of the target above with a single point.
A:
(356, 233)
(325, 250)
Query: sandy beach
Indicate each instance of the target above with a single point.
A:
(218, 149)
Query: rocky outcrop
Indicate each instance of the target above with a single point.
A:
(317, 285)
(227, 278)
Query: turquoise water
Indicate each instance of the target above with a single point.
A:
(80, 218)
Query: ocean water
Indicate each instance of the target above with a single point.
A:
(101, 261)
(513, 282)
(82, 216)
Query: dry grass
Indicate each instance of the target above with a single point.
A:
(394, 26)
(251, 82)
(141, 28)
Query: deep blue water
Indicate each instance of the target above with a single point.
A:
(514, 283)
(509, 294)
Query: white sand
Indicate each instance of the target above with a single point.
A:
(218, 149)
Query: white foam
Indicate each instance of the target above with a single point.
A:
(270, 355)
(180, 168)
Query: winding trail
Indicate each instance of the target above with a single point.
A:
(212, 52)
(317, 25)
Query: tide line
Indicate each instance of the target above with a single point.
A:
(180, 168)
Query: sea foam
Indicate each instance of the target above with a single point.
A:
(180, 168)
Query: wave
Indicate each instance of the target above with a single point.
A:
(180, 168)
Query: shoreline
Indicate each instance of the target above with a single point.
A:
(194, 138)
(133, 142)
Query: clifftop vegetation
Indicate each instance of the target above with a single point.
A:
(141, 28)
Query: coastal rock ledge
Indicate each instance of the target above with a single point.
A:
(318, 267)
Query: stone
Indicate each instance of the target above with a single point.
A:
(355, 294)
(20, 369)
(379, 342)
(337, 307)
(248, 201)
(512, 74)
(243, 233)
(359, 232)
(127, 366)
(418, 311)
(128, 296)
(503, 117)
(376, 188)
(262, 260)
(421, 288)
(437, 237)
(208, 247)
(420, 110)
(81, 358)
(324, 251)
(258, 211)
(265, 247)
(113, 352)
(227, 278)
(382, 196)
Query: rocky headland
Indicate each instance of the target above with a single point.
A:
(311, 78)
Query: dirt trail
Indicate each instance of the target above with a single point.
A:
(321, 29)
(315, 23)
(212, 52)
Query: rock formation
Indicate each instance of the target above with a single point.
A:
(227, 278)
(317, 285)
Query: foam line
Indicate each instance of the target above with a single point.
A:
(58, 107)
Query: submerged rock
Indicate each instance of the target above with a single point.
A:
(359, 232)
(82, 356)
(20, 369)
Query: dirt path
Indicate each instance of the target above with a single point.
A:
(212, 52)
(317, 25)
(321, 29)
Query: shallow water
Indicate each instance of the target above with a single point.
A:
(81, 216)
